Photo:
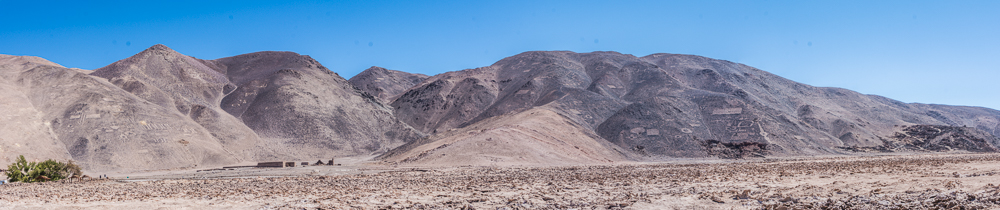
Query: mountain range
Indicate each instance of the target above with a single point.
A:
(664, 106)
(162, 110)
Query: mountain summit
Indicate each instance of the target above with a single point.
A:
(385, 84)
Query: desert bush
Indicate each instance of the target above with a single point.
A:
(49, 170)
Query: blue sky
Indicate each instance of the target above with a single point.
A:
(915, 51)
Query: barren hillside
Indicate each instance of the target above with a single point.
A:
(669, 105)
(537, 137)
(304, 110)
(385, 84)
(25, 127)
(160, 109)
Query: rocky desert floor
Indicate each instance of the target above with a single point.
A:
(942, 181)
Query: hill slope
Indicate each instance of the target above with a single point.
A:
(385, 84)
(25, 128)
(160, 109)
(103, 127)
(171, 80)
(669, 105)
(536, 137)
(300, 107)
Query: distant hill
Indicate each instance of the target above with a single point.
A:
(671, 105)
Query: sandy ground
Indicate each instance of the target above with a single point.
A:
(952, 181)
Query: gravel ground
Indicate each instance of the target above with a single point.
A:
(963, 181)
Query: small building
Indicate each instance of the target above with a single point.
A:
(272, 164)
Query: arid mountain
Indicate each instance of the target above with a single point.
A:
(299, 107)
(164, 110)
(385, 84)
(161, 109)
(447, 100)
(102, 127)
(164, 77)
(24, 126)
(669, 105)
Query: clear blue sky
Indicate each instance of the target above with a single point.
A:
(943, 52)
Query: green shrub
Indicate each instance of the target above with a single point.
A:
(49, 170)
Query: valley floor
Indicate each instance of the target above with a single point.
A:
(945, 181)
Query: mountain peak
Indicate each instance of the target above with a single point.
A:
(166, 68)
(376, 68)
(159, 48)
(375, 71)
(158, 57)
(385, 84)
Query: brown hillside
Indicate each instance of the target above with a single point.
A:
(172, 80)
(160, 109)
(102, 127)
(24, 126)
(669, 105)
(385, 84)
(304, 110)
(537, 137)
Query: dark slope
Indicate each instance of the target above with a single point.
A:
(447, 100)
(298, 105)
(818, 118)
(385, 84)
(676, 105)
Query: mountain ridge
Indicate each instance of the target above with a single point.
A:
(162, 110)
(675, 105)
(385, 84)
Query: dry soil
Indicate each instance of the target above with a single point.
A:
(941, 181)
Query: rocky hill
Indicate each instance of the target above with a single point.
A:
(300, 107)
(385, 84)
(670, 105)
(161, 109)
(25, 126)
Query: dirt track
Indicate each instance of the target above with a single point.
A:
(902, 182)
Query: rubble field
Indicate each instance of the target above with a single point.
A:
(943, 181)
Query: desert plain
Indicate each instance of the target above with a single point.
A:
(915, 181)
